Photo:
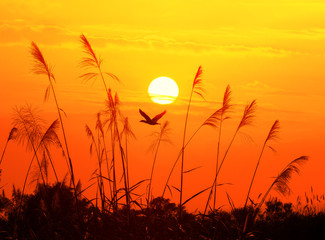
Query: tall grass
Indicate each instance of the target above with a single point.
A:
(272, 135)
(223, 111)
(246, 120)
(92, 64)
(29, 127)
(30, 130)
(101, 133)
(42, 67)
(196, 88)
(110, 142)
(281, 182)
(127, 133)
(211, 121)
(99, 158)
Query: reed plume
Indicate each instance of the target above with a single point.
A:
(272, 135)
(211, 121)
(29, 128)
(91, 61)
(113, 113)
(42, 141)
(281, 182)
(246, 120)
(222, 116)
(198, 89)
(42, 67)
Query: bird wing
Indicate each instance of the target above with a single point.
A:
(156, 118)
(144, 115)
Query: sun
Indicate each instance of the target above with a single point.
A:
(163, 90)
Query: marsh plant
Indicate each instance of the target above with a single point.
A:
(117, 209)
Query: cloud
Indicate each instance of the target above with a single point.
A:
(19, 30)
(125, 39)
(258, 87)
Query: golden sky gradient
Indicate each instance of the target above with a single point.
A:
(272, 51)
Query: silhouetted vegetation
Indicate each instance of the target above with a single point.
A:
(50, 213)
(60, 210)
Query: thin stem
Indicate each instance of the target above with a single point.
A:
(29, 167)
(66, 145)
(63, 131)
(108, 170)
(127, 162)
(217, 163)
(215, 179)
(114, 171)
(4, 150)
(251, 184)
(101, 74)
(124, 172)
(183, 154)
(176, 161)
(152, 169)
(50, 158)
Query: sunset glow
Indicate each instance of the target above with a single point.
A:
(163, 90)
(264, 59)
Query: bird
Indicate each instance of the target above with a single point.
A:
(150, 121)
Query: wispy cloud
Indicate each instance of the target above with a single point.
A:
(260, 88)
(221, 41)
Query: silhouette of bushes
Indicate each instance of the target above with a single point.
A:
(51, 213)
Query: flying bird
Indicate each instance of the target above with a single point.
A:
(152, 121)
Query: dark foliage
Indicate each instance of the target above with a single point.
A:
(50, 213)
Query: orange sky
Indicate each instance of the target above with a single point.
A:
(270, 51)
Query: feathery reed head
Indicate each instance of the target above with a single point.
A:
(127, 131)
(91, 60)
(197, 83)
(51, 137)
(282, 181)
(248, 115)
(90, 135)
(161, 136)
(214, 119)
(88, 131)
(273, 134)
(112, 110)
(219, 115)
(274, 131)
(99, 124)
(226, 100)
(40, 65)
(12, 134)
(29, 125)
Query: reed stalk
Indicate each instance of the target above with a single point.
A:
(246, 120)
(12, 136)
(272, 135)
(196, 88)
(41, 67)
